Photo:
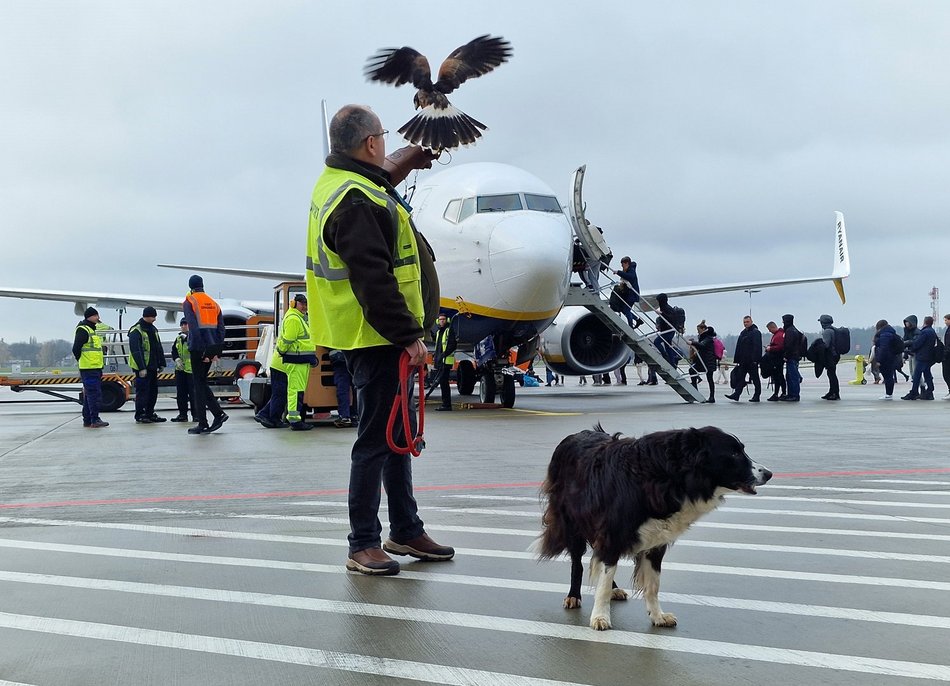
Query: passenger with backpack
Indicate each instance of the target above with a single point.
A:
(834, 342)
(795, 346)
(888, 350)
(747, 356)
(705, 348)
(922, 348)
(671, 320)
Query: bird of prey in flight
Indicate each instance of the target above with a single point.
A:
(439, 125)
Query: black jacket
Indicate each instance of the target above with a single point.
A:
(82, 336)
(630, 276)
(793, 339)
(156, 357)
(450, 343)
(361, 233)
(749, 346)
(705, 348)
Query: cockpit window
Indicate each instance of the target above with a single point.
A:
(542, 203)
(468, 209)
(499, 203)
(452, 211)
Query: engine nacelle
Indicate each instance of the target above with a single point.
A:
(578, 343)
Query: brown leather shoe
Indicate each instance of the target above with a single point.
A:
(372, 561)
(421, 547)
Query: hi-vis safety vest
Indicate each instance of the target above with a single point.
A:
(440, 337)
(181, 349)
(336, 318)
(205, 308)
(293, 339)
(90, 356)
(146, 348)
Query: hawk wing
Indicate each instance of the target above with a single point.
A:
(477, 57)
(398, 66)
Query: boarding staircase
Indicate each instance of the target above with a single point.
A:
(639, 340)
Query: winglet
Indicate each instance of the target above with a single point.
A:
(842, 264)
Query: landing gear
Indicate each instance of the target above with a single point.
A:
(507, 391)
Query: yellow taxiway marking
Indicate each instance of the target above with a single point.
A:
(546, 414)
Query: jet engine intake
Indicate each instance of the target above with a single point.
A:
(578, 343)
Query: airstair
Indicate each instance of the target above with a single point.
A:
(640, 340)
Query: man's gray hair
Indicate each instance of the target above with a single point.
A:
(350, 127)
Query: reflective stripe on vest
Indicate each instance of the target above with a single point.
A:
(90, 356)
(205, 308)
(181, 349)
(440, 345)
(336, 317)
(146, 348)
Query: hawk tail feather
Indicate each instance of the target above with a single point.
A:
(442, 129)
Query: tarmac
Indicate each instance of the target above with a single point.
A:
(139, 554)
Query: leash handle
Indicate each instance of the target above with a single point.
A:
(416, 443)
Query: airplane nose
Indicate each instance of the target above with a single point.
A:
(530, 262)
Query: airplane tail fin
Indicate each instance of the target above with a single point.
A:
(842, 264)
(326, 130)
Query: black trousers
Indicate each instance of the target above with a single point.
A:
(443, 372)
(202, 399)
(184, 394)
(372, 464)
(146, 393)
(752, 369)
(833, 388)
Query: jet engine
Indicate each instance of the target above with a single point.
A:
(578, 343)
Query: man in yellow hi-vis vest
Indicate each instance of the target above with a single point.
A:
(290, 364)
(373, 294)
(184, 391)
(443, 358)
(88, 351)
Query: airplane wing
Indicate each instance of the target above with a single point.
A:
(840, 271)
(250, 273)
(122, 301)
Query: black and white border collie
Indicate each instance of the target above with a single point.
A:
(633, 497)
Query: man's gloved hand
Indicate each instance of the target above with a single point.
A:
(407, 159)
(180, 365)
(143, 373)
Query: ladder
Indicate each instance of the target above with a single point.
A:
(639, 340)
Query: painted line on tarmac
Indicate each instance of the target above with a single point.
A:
(836, 515)
(742, 604)
(909, 481)
(272, 652)
(13, 683)
(417, 488)
(533, 533)
(479, 552)
(406, 669)
(840, 489)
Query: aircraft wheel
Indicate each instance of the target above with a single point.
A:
(113, 397)
(487, 387)
(465, 381)
(508, 391)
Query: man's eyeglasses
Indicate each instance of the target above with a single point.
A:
(374, 135)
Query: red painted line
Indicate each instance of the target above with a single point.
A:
(437, 487)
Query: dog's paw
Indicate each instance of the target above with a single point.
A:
(664, 619)
(619, 594)
(600, 623)
(571, 603)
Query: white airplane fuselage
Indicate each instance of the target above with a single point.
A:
(502, 246)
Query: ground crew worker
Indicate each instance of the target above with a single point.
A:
(445, 344)
(205, 345)
(147, 359)
(87, 349)
(375, 293)
(296, 351)
(183, 390)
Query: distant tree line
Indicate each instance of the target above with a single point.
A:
(46, 354)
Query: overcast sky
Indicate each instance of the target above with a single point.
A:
(720, 137)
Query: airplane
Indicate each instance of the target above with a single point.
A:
(503, 246)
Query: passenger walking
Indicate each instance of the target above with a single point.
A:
(372, 280)
(910, 333)
(747, 356)
(831, 357)
(774, 355)
(794, 342)
(945, 362)
(922, 349)
(671, 320)
(147, 359)
(888, 348)
(89, 353)
(705, 347)
(629, 294)
(184, 394)
(205, 345)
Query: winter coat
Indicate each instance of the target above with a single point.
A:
(828, 336)
(910, 329)
(706, 348)
(883, 347)
(923, 345)
(748, 346)
(156, 355)
(793, 338)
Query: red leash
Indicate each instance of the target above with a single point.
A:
(401, 402)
